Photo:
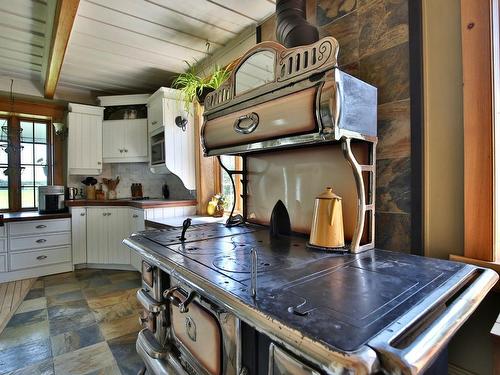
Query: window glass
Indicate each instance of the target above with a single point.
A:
(34, 161)
(226, 186)
(4, 179)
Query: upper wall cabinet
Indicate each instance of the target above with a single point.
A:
(125, 141)
(84, 139)
(173, 130)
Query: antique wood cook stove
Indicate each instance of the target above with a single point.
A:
(250, 297)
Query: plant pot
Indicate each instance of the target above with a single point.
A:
(204, 93)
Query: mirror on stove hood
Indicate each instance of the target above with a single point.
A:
(256, 71)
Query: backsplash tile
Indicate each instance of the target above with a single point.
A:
(138, 173)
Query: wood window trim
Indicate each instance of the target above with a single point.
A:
(238, 165)
(14, 160)
(480, 50)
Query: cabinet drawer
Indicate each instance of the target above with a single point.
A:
(3, 263)
(29, 259)
(39, 226)
(3, 231)
(3, 245)
(40, 241)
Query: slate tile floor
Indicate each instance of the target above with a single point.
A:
(82, 322)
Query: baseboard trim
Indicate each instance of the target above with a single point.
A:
(122, 267)
(35, 272)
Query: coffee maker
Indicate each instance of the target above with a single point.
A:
(51, 199)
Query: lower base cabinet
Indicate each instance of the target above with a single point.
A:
(106, 229)
(35, 248)
(98, 232)
(136, 225)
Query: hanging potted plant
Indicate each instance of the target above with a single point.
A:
(195, 87)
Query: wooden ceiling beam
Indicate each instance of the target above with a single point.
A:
(61, 31)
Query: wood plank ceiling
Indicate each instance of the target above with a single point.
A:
(24, 36)
(131, 45)
(122, 46)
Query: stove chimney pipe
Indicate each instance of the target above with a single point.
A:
(292, 28)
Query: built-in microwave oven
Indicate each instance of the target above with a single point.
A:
(157, 144)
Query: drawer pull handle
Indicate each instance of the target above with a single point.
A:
(104, 214)
(154, 122)
(41, 226)
(82, 213)
(253, 117)
(41, 257)
(135, 216)
(41, 240)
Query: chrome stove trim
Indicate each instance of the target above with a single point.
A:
(168, 365)
(150, 303)
(420, 353)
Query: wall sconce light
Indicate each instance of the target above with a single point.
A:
(60, 129)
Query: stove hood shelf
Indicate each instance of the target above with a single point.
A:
(280, 98)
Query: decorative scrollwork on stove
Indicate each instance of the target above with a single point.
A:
(302, 60)
(274, 65)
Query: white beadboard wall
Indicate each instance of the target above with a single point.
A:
(162, 212)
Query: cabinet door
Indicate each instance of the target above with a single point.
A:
(179, 144)
(136, 139)
(97, 235)
(118, 230)
(79, 234)
(113, 136)
(155, 114)
(84, 143)
(136, 225)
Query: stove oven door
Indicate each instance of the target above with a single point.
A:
(198, 332)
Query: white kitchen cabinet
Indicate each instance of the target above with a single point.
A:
(35, 248)
(179, 142)
(79, 234)
(125, 141)
(84, 139)
(155, 114)
(136, 217)
(106, 229)
(3, 263)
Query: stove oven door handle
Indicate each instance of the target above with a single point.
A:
(150, 303)
(410, 350)
(176, 301)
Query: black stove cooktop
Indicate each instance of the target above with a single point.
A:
(340, 299)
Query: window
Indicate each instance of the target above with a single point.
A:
(25, 161)
(226, 188)
(4, 164)
(34, 161)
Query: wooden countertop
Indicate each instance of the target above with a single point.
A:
(32, 215)
(147, 203)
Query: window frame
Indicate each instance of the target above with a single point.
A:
(238, 165)
(481, 90)
(14, 160)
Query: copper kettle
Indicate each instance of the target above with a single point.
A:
(327, 229)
